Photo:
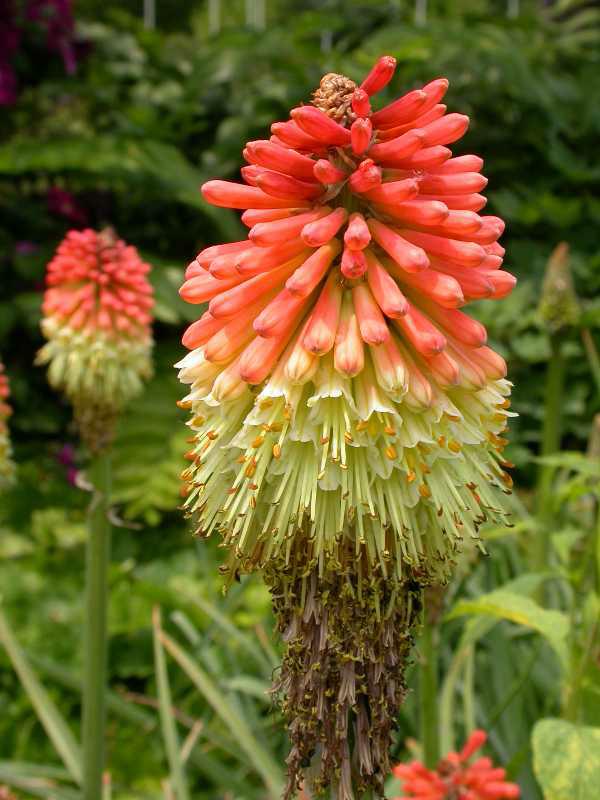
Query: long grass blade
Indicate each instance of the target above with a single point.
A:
(260, 758)
(54, 723)
(38, 787)
(177, 780)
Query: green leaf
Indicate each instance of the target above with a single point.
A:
(257, 755)
(54, 723)
(37, 787)
(115, 157)
(566, 760)
(502, 604)
(167, 720)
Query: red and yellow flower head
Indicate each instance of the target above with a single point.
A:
(7, 467)
(457, 777)
(96, 317)
(347, 415)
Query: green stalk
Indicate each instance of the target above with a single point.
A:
(95, 632)
(592, 356)
(551, 436)
(428, 695)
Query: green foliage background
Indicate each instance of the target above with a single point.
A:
(148, 116)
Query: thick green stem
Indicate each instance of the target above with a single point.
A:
(428, 691)
(551, 435)
(95, 632)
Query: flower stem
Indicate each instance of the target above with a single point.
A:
(428, 691)
(551, 435)
(95, 631)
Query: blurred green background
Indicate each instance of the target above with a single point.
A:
(114, 113)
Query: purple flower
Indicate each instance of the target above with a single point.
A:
(25, 248)
(64, 204)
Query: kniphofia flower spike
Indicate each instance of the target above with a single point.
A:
(457, 777)
(346, 414)
(96, 317)
(7, 467)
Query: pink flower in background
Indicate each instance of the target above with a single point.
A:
(6, 463)
(20, 21)
(63, 204)
(456, 777)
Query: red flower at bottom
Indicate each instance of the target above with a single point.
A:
(455, 778)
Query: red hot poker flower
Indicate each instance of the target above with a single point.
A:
(457, 777)
(346, 413)
(96, 317)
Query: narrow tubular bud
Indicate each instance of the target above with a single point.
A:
(323, 230)
(443, 289)
(463, 328)
(325, 172)
(348, 355)
(444, 369)
(228, 385)
(445, 130)
(281, 159)
(321, 127)
(268, 233)
(417, 211)
(360, 103)
(227, 342)
(285, 187)
(276, 314)
(460, 183)
(490, 362)
(390, 366)
(379, 77)
(400, 111)
(293, 136)
(254, 216)
(420, 332)
(395, 150)
(385, 289)
(357, 235)
(471, 374)
(250, 174)
(308, 276)
(204, 287)
(394, 192)
(503, 282)
(260, 356)
(424, 119)
(199, 332)
(467, 253)
(300, 365)
(408, 257)
(234, 300)
(366, 176)
(372, 325)
(360, 135)
(263, 259)
(420, 393)
(434, 91)
(459, 202)
(490, 230)
(354, 264)
(473, 282)
(235, 195)
(460, 164)
(427, 158)
(207, 255)
(323, 323)
(224, 267)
